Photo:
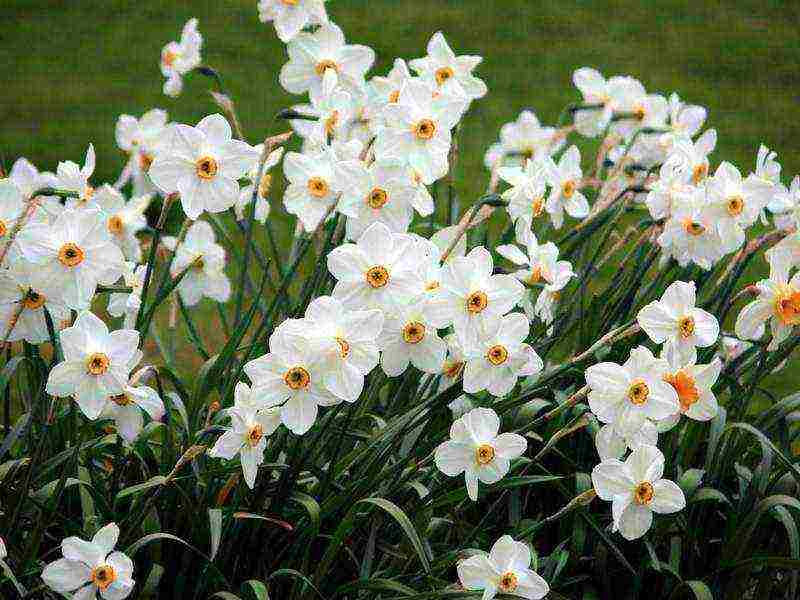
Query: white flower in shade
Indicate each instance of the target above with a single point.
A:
(677, 323)
(470, 294)
(123, 219)
(203, 261)
(379, 193)
(3, 551)
(71, 176)
(685, 120)
(526, 195)
(409, 337)
(664, 191)
(247, 436)
(500, 356)
(637, 490)
(386, 90)
(785, 204)
(346, 342)
(778, 302)
(476, 449)
(732, 348)
(626, 395)
(89, 568)
(178, 58)
(592, 120)
(381, 270)
(768, 173)
(540, 262)
(635, 108)
(139, 138)
(264, 186)
(453, 367)
(72, 256)
(29, 179)
(693, 383)
(22, 306)
(612, 443)
(312, 188)
(291, 376)
(329, 116)
(291, 16)
(311, 54)
(522, 140)
(506, 570)
(96, 363)
(565, 182)
(203, 164)
(736, 203)
(442, 68)
(691, 234)
(12, 208)
(418, 129)
(690, 159)
(128, 304)
(127, 408)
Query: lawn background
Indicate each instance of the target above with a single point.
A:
(72, 66)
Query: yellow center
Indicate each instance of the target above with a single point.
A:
(169, 57)
(255, 434)
(377, 276)
(497, 355)
(685, 386)
(639, 113)
(686, 327)
(444, 74)
(643, 494)
(70, 255)
(265, 185)
(425, 129)
(484, 454)
(115, 224)
(693, 228)
(735, 206)
(324, 65)
(103, 576)
(318, 187)
(331, 123)
(508, 583)
(121, 400)
(145, 160)
(206, 167)
(452, 370)
(787, 305)
(3, 228)
(377, 198)
(290, 2)
(537, 206)
(414, 332)
(528, 152)
(394, 97)
(536, 275)
(97, 363)
(699, 173)
(344, 347)
(297, 378)
(568, 189)
(477, 301)
(638, 392)
(33, 300)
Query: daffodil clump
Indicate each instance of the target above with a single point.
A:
(249, 416)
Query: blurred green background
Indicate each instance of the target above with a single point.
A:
(72, 66)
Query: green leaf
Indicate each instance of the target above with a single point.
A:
(698, 588)
(312, 508)
(376, 585)
(141, 487)
(215, 524)
(709, 495)
(295, 575)
(259, 589)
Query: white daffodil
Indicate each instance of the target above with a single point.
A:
(768, 173)
(613, 443)
(128, 304)
(476, 449)
(312, 188)
(96, 363)
(29, 179)
(123, 219)
(685, 120)
(522, 140)
(379, 193)
(635, 108)
(565, 182)
(499, 356)
(346, 342)
(203, 261)
(540, 262)
(12, 209)
(247, 437)
(290, 17)
(637, 490)
(785, 204)
(418, 128)
(386, 90)
(74, 178)
(442, 68)
(22, 306)
(379, 271)
(312, 54)
(178, 58)
(690, 159)
(329, 116)
(203, 164)
(264, 186)
(677, 323)
(126, 409)
(89, 568)
(72, 256)
(139, 138)
(470, 294)
(453, 367)
(693, 383)
(736, 203)
(626, 395)
(691, 234)
(506, 570)
(778, 302)
(592, 120)
(409, 337)
(291, 377)
(526, 195)
(664, 190)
